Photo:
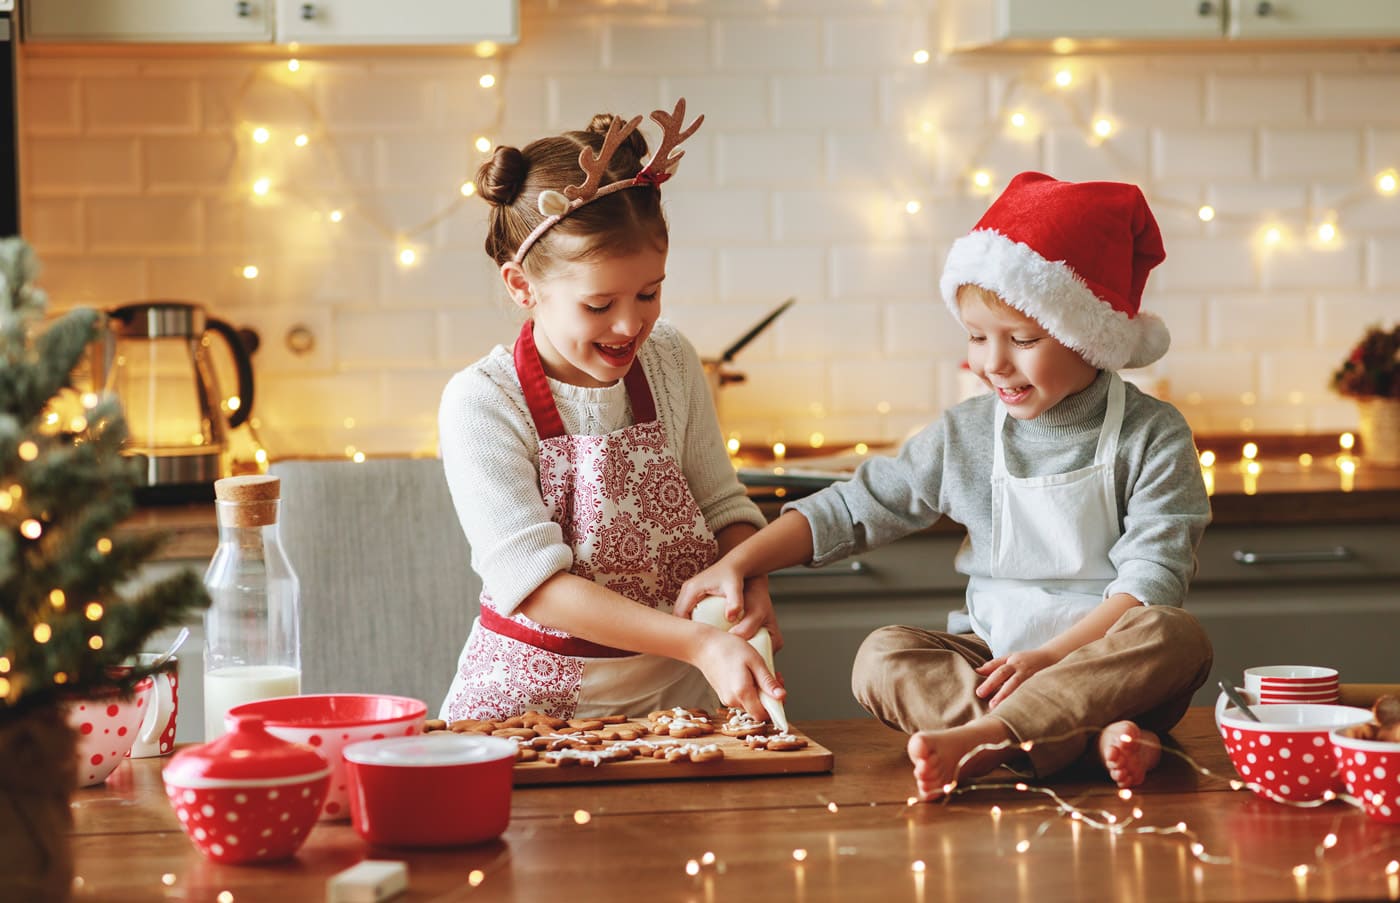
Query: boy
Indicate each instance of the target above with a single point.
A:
(1082, 498)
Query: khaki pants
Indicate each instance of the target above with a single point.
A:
(1144, 669)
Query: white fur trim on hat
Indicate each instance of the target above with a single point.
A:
(1051, 293)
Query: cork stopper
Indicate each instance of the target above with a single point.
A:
(249, 500)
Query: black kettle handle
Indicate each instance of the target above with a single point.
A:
(243, 362)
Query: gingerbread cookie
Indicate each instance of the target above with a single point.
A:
(692, 752)
(775, 742)
(590, 757)
(741, 724)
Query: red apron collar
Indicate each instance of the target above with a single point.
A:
(540, 400)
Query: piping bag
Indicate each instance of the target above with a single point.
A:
(710, 610)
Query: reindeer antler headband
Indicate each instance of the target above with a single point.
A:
(556, 205)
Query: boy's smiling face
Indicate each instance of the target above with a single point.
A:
(1028, 368)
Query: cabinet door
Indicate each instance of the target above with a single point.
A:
(1115, 19)
(1282, 19)
(148, 20)
(411, 22)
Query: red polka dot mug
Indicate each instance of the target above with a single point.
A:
(107, 725)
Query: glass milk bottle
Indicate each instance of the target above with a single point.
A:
(252, 641)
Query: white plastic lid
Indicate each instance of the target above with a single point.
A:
(427, 750)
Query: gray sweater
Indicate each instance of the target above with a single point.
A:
(946, 469)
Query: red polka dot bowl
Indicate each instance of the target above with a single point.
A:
(1371, 771)
(107, 725)
(247, 797)
(1286, 756)
(435, 790)
(328, 722)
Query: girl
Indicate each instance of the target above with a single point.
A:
(586, 463)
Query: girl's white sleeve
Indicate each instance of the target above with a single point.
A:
(490, 454)
(704, 459)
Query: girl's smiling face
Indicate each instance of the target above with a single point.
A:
(591, 316)
(1028, 368)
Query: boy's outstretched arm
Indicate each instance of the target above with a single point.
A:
(785, 542)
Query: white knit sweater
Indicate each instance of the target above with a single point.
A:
(490, 453)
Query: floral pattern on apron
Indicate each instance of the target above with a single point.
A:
(623, 505)
(1051, 537)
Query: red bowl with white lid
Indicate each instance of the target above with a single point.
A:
(247, 797)
(431, 790)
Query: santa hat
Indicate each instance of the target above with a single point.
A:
(1074, 256)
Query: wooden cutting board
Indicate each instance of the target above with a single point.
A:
(738, 759)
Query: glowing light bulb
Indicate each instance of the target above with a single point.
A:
(1018, 120)
(94, 642)
(779, 450)
(336, 216)
(408, 257)
(1347, 441)
(260, 135)
(31, 529)
(487, 81)
(816, 440)
(582, 817)
(861, 448)
(692, 867)
(799, 855)
(917, 866)
(1023, 846)
(1103, 127)
(982, 179)
(89, 399)
(921, 57)
(93, 611)
(262, 186)
(301, 140)
(1206, 213)
(468, 188)
(1388, 182)
(483, 144)
(912, 207)
(733, 446)
(250, 272)
(708, 858)
(358, 457)
(42, 633)
(57, 598)
(1207, 458)
(1063, 45)
(1326, 232)
(1250, 451)
(485, 49)
(1305, 460)
(1273, 235)
(293, 65)
(1064, 78)
(28, 451)
(475, 877)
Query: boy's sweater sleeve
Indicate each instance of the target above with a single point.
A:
(1167, 510)
(886, 499)
(489, 453)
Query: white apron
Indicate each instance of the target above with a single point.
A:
(1051, 537)
(625, 508)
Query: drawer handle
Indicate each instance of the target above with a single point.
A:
(854, 569)
(1336, 553)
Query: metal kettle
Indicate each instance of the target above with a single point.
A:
(155, 357)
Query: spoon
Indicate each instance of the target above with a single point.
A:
(1237, 702)
(164, 657)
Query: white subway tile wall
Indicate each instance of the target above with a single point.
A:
(831, 167)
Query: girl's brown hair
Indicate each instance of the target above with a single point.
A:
(623, 222)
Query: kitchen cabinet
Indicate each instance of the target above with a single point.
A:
(1198, 24)
(283, 21)
(1298, 594)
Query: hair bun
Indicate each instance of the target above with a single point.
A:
(635, 146)
(500, 178)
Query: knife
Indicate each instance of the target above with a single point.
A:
(752, 334)
(710, 610)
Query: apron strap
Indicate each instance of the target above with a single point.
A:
(536, 386)
(540, 400)
(1105, 452)
(560, 645)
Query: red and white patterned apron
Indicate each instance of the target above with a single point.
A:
(627, 512)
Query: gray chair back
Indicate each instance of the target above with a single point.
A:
(387, 590)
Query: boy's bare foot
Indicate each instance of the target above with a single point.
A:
(936, 754)
(1129, 752)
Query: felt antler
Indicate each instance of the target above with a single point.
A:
(663, 162)
(595, 165)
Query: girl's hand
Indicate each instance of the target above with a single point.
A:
(737, 673)
(719, 579)
(1006, 673)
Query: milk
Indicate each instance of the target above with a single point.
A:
(225, 688)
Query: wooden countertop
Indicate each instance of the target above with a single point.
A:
(640, 838)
